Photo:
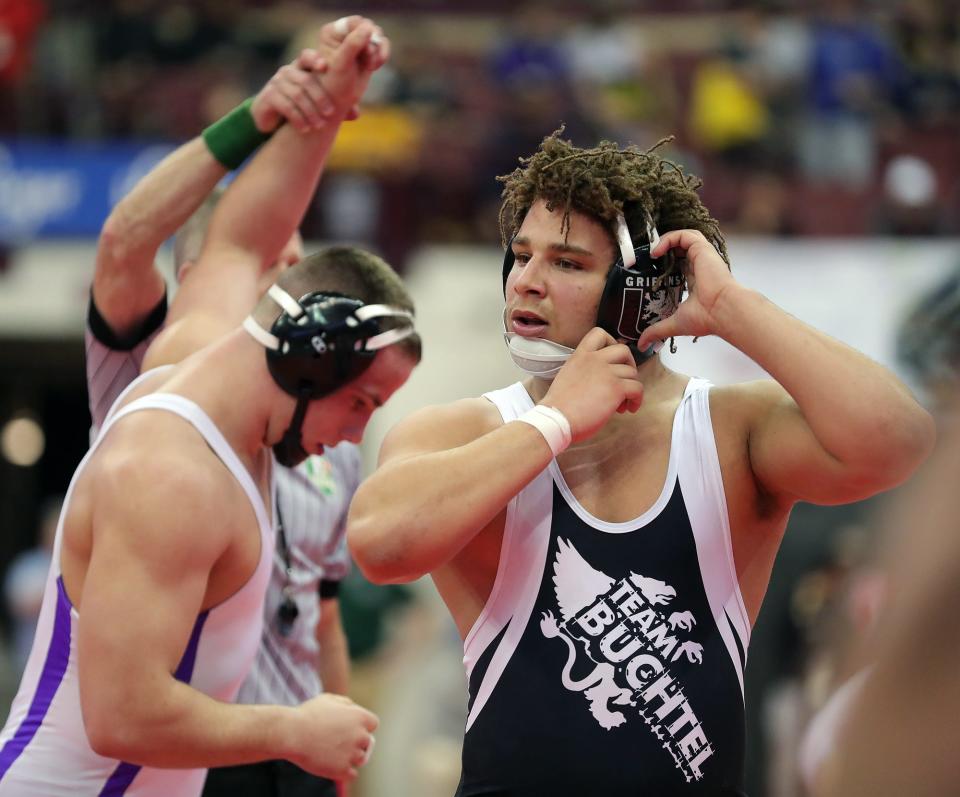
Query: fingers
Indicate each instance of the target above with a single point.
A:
(633, 396)
(311, 60)
(290, 111)
(667, 328)
(595, 340)
(369, 749)
(341, 28)
(692, 242)
(354, 44)
(307, 89)
(378, 52)
(370, 720)
(296, 95)
(677, 239)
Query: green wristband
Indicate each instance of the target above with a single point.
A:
(234, 138)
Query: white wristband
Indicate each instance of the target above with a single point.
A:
(552, 424)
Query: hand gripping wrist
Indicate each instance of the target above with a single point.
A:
(235, 137)
(552, 424)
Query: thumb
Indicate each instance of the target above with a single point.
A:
(667, 328)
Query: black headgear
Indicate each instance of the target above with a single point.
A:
(317, 345)
(636, 294)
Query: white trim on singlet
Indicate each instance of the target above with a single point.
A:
(701, 484)
(526, 537)
(655, 509)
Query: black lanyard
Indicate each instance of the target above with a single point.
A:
(287, 611)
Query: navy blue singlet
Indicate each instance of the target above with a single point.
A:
(609, 658)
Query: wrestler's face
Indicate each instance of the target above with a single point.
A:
(343, 415)
(555, 285)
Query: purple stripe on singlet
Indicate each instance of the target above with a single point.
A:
(124, 774)
(58, 655)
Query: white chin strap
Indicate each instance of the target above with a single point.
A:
(536, 357)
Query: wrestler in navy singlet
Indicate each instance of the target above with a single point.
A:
(609, 658)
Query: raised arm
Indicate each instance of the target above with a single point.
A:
(126, 283)
(447, 472)
(259, 213)
(836, 426)
(140, 599)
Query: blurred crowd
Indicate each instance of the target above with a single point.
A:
(821, 118)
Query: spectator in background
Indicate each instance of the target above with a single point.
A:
(728, 116)
(530, 51)
(619, 81)
(19, 22)
(855, 78)
(25, 580)
(927, 33)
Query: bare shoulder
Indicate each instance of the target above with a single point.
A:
(184, 336)
(440, 427)
(156, 473)
(745, 403)
(737, 412)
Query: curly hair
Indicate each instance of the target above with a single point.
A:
(602, 182)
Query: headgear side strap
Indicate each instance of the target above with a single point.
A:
(266, 339)
(290, 305)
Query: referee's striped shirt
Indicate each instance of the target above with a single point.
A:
(312, 499)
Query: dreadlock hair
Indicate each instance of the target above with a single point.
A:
(602, 182)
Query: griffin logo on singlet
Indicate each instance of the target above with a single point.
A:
(632, 642)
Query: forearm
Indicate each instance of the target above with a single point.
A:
(857, 409)
(260, 212)
(162, 201)
(334, 663)
(184, 728)
(414, 515)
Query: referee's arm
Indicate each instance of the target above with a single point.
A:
(334, 662)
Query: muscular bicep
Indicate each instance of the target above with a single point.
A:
(787, 460)
(439, 428)
(215, 296)
(143, 587)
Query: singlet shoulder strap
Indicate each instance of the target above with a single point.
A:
(701, 483)
(512, 401)
(195, 416)
(130, 388)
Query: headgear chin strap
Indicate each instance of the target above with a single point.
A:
(317, 345)
(537, 357)
(637, 294)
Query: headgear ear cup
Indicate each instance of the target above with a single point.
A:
(320, 350)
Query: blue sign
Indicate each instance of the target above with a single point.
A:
(66, 188)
